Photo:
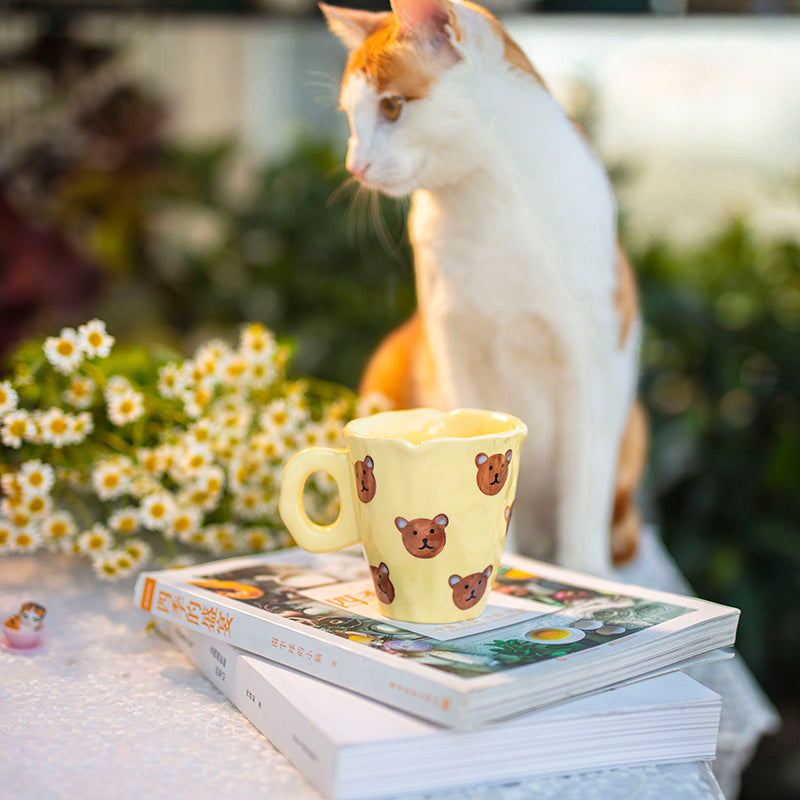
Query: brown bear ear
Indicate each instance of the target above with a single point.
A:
(383, 569)
(481, 458)
(488, 571)
(442, 520)
(371, 464)
(508, 455)
(454, 579)
(401, 523)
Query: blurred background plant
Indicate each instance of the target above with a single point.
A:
(103, 212)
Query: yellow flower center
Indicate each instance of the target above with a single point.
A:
(3, 396)
(109, 569)
(110, 481)
(19, 519)
(158, 510)
(65, 348)
(58, 529)
(96, 542)
(36, 505)
(127, 524)
(23, 540)
(36, 479)
(95, 339)
(58, 426)
(17, 427)
(126, 406)
(182, 524)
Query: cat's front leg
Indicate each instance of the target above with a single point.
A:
(591, 430)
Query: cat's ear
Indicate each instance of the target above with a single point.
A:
(352, 26)
(414, 16)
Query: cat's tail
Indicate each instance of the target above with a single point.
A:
(626, 521)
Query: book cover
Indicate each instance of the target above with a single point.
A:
(548, 634)
(350, 747)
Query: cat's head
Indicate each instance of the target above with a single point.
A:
(405, 111)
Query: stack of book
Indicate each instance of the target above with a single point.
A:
(563, 672)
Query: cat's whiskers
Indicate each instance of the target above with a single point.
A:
(327, 86)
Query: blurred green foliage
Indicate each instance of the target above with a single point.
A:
(721, 380)
(290, 254)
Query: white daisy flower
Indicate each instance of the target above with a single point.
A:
(64, 351)
(196, 398)
(37, 506)
(250, 504)
(259, 374)
(373, 403)
(58, 529)
(80, 426)
(138, 550)
(36, 477)
(94, 339)
(115, 385)
(221, 538)
(10, 485)
(233, 370)
(54, 427)
(124, 562)
(111, 477)
(105, 567)
(202, 432)
(125, 407)
(124, 520)
(8, 398)
(210, 358)
(185, 522)
(171, 380)
(156, 511)
(269, 446)
(7, 532)
(194, 458)
(157, 460)
(227, 447)
(259, 539)
(18, 426)
(282, 415)
(80, 392)
(331, 433)
(96, 540)
(256, 340)
(25, 541)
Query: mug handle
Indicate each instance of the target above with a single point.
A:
(310, 536)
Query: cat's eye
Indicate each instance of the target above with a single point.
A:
(391, 107)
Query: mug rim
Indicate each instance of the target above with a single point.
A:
(514, 425)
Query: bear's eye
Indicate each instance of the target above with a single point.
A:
(414, 532)
(466, 586)
(491, 468)
(433, 530)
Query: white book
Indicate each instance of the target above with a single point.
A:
(548, 635)
(350, 747)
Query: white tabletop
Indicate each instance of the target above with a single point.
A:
(109, 710)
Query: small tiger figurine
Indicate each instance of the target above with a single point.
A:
(29, 618)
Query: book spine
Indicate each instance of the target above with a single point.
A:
(386, 680)
(290, 732)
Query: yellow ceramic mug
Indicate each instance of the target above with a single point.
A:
(429, 494)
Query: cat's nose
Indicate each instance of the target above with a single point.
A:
(358, 170)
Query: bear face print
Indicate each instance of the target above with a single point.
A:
(492, 471)
(423, 538)
(365, 479)
(468, 591)
(383, 583)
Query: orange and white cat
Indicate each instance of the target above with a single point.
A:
(526, 303)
